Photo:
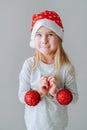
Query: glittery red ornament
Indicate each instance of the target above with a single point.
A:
(64, 96)
(32, 98)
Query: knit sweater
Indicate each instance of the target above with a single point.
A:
(48, 114)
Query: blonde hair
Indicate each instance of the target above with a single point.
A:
(60, 58)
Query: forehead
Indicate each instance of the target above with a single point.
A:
(44, 29)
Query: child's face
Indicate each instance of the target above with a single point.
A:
(46, 41)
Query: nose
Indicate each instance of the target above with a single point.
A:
(44, 40)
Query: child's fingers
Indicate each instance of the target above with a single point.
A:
(52, 80)
(49, 78)
(43, 78)
(44, 82)
(43, 85)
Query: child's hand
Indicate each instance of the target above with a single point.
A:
(43, 86)
(53, 84)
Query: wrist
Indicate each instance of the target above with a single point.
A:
(41, 93)
(53, 93)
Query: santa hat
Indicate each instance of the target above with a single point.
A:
(49, 19)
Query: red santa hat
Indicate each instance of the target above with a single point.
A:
(49, 19)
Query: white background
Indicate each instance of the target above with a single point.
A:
(15, 22)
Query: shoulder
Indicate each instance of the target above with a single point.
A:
(68, 69)
(28, 62)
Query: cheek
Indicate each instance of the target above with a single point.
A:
(37, 44)
(54, 43)
(36, 41)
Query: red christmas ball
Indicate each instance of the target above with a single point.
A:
(64, 96)
(32, 97)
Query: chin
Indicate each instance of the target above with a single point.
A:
(45, 52)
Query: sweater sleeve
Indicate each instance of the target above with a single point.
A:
(24, 81)
(70, 82)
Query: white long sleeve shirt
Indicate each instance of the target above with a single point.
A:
(48, 114)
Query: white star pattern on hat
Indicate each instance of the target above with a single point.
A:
(49, 19)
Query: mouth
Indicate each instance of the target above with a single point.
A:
(45, 47)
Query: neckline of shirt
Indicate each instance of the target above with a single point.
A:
(45, 65)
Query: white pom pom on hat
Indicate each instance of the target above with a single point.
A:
(49, 19)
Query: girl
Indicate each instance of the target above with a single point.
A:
(49, 64)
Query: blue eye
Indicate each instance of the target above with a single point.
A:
(50, 34)
(38, 34)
